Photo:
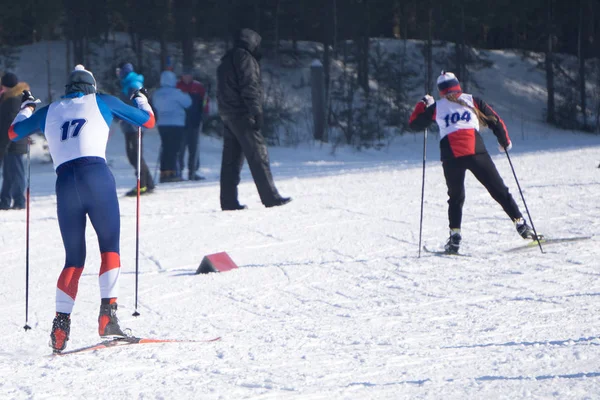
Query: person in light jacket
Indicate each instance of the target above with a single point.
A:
(170, 105)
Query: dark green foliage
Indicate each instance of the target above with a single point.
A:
(552, 27)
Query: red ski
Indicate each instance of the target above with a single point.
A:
(129, 340)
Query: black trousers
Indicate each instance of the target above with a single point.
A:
(170, 139)
(131, 148)
(240, 139)
(483, 168)
(190, 141)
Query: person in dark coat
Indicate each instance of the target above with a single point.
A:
(193, 120)
(130, 82)
(239, 99)
(12, 154)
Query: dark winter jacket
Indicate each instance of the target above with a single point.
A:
(239, 82)
(10, 104)
(461, 142)
(197, 92)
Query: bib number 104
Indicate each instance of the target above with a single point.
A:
(455, 117)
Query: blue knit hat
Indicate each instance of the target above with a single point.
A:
(125, 70)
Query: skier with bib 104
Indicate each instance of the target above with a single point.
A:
(76, 128)
(460, 117)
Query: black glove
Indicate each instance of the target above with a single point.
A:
(258, 121)
(27, 99)
(141, 91)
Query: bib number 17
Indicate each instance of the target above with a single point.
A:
(455, 117)
(71, 128)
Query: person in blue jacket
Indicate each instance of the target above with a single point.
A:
(76, 128)
(170, 104)
(130, 81)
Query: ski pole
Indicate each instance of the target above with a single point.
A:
(157, 163)
(137, 219)
(27, 197)
(523, 198)
(422, 190)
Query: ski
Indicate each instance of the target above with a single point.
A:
(548, 241)
(444, 253)
(130, 340)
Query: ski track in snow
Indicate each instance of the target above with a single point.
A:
(331, 299)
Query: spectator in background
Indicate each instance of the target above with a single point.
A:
(240, 97)
(170, 105)
(130, 82)
(193, 121)
(12, 154)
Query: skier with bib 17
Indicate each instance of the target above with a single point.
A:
(460, 117)
(76, 128)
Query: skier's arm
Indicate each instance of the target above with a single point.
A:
(27, 122)
(423, 115)
(494, 122)
(140, 116)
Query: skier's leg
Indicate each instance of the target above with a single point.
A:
(103, 210)
(102, 207)
(454, 172)
(71, 221)
(485, 171)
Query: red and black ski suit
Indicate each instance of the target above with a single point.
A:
(462, 148)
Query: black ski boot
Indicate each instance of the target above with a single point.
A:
(61, 328)
(453, 242)
(108, 324)
(524, 230)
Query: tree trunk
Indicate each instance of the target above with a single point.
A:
(277, 15)
(461, 58)
(140, 53)
(334, 18)
(164, 50)
(68, 65)
(581, 56)
(429, 50)
(363, 49)
(550, 114)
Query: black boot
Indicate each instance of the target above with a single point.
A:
(61, 328)
(108, 324)
(453, 243)
(279, 202)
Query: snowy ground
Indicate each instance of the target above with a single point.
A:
(330, 300)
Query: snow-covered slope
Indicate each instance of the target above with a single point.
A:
(330, 299)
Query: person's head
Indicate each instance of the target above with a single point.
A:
(249, 40)
(9, 80)
(168, 79)
(80, 81)
(447, 83)
(187, 76)
(124, 69)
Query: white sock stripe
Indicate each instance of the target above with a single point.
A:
(64, 302)
(109, 283)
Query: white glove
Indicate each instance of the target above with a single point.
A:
(428, 100)
(502, 149)
(28, 100)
